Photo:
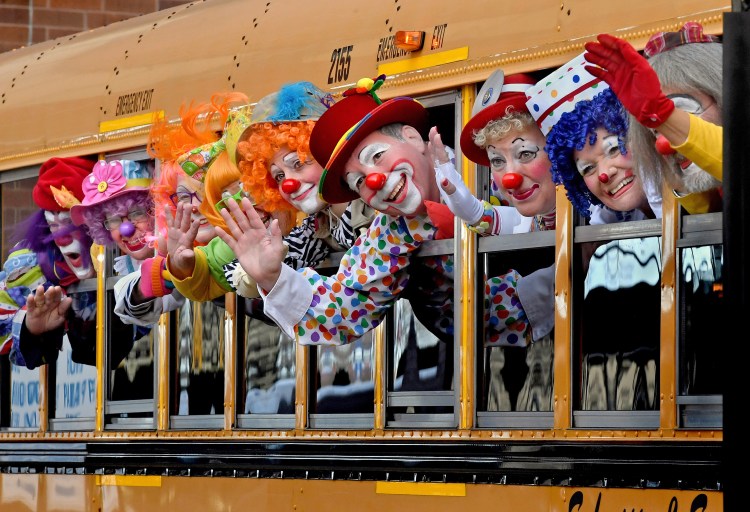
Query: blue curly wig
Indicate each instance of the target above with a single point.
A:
(572, 132)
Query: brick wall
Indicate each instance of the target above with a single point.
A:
(25, 22)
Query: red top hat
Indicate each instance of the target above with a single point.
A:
(347, 122)
(498, 96)
(59, 183)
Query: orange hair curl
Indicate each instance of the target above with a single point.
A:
(168, 141)
(255, 154)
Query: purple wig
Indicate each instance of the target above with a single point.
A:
(94, 216)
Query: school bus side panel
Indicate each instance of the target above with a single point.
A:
(153, 493)
(96, 91)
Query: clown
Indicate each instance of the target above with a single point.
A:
(375, 150)
(675, 96)
(586, 130)
(279, 173)
(62, 252)
(117, 210)
(503, 136)
(20, 275)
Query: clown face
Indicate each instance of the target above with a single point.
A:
(692, 177)
(608, 173)
(297, 180)
(71, 245)
(132, 231)
(521, 170)
(391, 175)
(190, 191)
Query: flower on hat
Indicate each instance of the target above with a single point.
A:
(367, 86)
(106, 179)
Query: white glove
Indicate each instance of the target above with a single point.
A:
(461, 202)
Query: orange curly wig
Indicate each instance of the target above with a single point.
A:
(168, 141)
(257, 150)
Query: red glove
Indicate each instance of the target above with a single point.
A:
(442, 218)
(631, 78)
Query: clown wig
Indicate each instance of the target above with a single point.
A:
(117, 207)
(498, 129)
(257, 150)
(572, 132)
(167, 142)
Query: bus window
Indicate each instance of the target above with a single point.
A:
(344, 386)
(16, 411)
(341, 390)
(616, 325)
(267, 370)
(700, 299)
(514, 382)
(420, 337)
(129, 379)
(199, 352)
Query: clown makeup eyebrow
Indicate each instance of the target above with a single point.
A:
(369, 154)
(687, 103)
(290, 159)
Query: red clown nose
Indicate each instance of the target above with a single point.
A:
(604, 177)
(290, 186)
(512, 180)
(375, 181)
(663, 146)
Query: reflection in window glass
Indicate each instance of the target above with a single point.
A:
(75, 387)
(514, 378)
(345, 382)
(701, 303)
(131, 376)
(617, 324)
(421, 361)
(200, 352)
(270, 365)
(24, 397)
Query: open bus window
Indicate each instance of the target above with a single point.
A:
(616, 327)
(130, 381)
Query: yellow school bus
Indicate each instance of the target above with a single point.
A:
(216, 409)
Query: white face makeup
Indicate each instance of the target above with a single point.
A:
(70, 245)
(407, 177)
(608, 173)
(521, 153)
(297, 180)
